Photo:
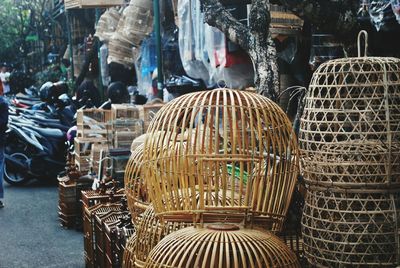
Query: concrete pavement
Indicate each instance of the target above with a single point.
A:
(30, 233)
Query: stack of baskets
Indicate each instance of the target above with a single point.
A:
(219, 168)
(350, 148)
(134, 25)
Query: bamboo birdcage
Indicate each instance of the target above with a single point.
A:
(149, 232)
(351, 123)
(107, 24)
(358, 228)
(135, 188)
(231, 136)
(221, 245)
(129, 252)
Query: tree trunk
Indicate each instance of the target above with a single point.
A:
(266, 73)
(254, 39)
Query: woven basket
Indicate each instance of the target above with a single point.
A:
(128, 260)
(221, 245)
(231, 137)
(351, 229)
(150, 231)
(135, 188)
(352, 117)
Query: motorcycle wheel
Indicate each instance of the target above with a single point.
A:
(12, 175)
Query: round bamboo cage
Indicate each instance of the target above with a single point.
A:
(347, 229)
(352, 117)
(135, 188)
(138, 141)
(221, 245)
(128, 260)
(150, 231)
(240, 146)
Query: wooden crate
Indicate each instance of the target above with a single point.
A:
(124, 139)
(69, 4)
(148, 111)
(124, 111)
(67, 206)
(83, 148)
(88, 215)
(95, 157)
(135, 125)
(94, 123)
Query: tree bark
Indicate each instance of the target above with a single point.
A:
(254, 39)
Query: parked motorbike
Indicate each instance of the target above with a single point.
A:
(36, 139)
(33, 149)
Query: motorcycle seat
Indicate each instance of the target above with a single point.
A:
(48, 132)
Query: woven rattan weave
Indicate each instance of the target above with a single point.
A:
(351, 229)
(221, 245)
(231, 136)
(135, 188)
(150, 231)
(128, 260)
(350, 129)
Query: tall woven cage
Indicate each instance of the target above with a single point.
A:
(351, 229)
(240, 146)
(350, 128)
(135, 188)
(221, 245)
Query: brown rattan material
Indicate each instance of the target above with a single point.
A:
(230, 135)
(128, 260)
(351, 229)
(350, 128)
(213, 247)
(135, 188)
(150, 231)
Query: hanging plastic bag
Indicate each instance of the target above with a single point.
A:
(381, 13)
(396, 9)
(190, 39)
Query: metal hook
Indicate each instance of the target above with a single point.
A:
(365, 33)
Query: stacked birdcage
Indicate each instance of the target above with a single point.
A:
(350, 151)
(224, 162)
(134, 25)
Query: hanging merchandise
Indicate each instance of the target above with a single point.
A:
(172, 64)
(138, 21)
(229, 64)
(191, 39)
(396, 9)
(148, 55)
(107, 24)
(382, 16)
(105, 75)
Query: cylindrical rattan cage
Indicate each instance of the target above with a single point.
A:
(221, 245)
(240, 146)
(351, 123)
(135, 188)
(343, 229)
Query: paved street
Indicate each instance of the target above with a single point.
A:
(30, 233)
